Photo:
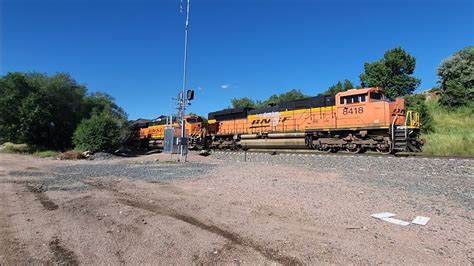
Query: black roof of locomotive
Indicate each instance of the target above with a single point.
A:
(268, 109)
(242, 112)
(160, 120)
(311, 102)
(228, 114)
(140, 122)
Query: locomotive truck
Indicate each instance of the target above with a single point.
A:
(355, 121)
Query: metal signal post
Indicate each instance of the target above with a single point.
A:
(183, 99)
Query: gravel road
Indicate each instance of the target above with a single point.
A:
(271, 209)
(451, 178)
(70, 177)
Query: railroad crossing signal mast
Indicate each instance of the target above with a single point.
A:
(184, 97)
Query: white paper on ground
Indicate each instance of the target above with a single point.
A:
(421, 220)
(395, 221)
(382, 215)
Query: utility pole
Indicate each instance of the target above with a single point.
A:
(182, 96)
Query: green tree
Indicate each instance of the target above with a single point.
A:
(242, 102)
(99, 102)
(417, 102)
(39, 110)
(44, 111)
(101, 132)
(51, 113)
(339, 87)
(393, 73)
(456, 78)
(14, 87)
(291, 95)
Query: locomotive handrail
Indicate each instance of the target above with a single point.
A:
(393, 130)
(412, 119)
(407, 117)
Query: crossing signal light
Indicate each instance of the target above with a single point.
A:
(190, 95)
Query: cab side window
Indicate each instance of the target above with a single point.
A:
(353, 99)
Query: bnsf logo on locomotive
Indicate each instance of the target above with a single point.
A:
(269, 120)
(156, 130)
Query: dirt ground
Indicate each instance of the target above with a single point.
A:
(232, 213)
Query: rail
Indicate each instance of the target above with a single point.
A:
(306, 152)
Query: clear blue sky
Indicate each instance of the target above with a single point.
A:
(133, 50)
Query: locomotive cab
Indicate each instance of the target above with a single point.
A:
(368, 112)
(194, 124)
(370, 108)
(195, 131)
(362, 107)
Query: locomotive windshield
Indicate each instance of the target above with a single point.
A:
(194, 120)
(376, 95)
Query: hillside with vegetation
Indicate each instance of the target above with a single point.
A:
(447, 120)
(453, 130)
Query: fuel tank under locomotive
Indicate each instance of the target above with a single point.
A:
(273, 141)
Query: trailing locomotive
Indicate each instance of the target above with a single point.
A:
(355, 121)
(151, 133)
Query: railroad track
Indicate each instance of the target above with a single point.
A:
(303, 152)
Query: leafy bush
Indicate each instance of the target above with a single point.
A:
(26, 149)
(43, 110)
(101, 132)
(417, 102)
(15, 148)
(71, 155)
(456, 76)
(46, 153)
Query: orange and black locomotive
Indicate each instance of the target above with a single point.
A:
(356, 121)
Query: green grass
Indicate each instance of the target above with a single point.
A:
(25, 149)
(47, 153)
(15, 148)
(454, 131)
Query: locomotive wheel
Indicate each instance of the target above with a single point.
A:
(325, 149)
(309, 142)
(315, 145)
(387, 150)
(357, 149)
